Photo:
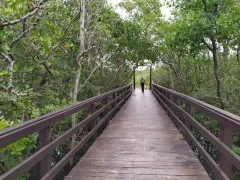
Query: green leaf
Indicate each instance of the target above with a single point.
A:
(3, 72)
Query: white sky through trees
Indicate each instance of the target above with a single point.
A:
(166, 11)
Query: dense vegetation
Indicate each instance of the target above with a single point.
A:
(54, 53)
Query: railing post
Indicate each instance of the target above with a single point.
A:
(188, 109)
(126, 90)
(168, 97)
(164, 94)
(114, 104)
(150, 78)
(44, 139)
(134, 78)
(105, 102)
(175, 100)
(113, 97)
(93, 122)
(161, 92)
(122, 91)
(118, 97)
(226, 136)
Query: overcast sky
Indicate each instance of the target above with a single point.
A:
(165, 10)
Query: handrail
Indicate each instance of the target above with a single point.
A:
(170, 100)
(15, 133)
(113, 100)
(219, 113)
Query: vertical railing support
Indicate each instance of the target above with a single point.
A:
(150, 78)
(176, 102)
(44, 139)
(113, 97)
(124, 95)
(134, 78)
(118, 99)
(226, 136)
(93, 122)
(188, 109)
(105, 101)
(114, 104)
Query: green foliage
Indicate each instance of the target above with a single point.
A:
(13, 154)
(236, 149)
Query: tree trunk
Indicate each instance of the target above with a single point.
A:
(216, 71)
(79, 66)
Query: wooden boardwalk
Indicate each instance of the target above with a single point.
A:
(140, 143)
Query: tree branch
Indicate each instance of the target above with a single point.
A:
(37, 7)
(90, 75)
(208, 46)
(219, 8)
(22, 35)
(25, 31)
(10, 69)
(171, 66)
(6, 57)
(115, 78)
(52, 50)
(127, 79)
(84, 52)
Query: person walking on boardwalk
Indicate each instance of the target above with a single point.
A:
(142, 84)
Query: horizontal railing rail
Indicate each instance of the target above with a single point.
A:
(179, 108)
(113, 100)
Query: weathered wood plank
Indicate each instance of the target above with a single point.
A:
(103, 176)
(139, 143)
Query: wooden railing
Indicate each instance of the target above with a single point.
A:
(181, 107)
(111, 102)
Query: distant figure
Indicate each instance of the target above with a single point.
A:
(142, 84)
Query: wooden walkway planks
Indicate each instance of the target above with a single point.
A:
(140, 143)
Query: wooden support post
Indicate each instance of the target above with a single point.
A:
(44, 139)
(105, 101)
(119, 99)
(113, 97)
(93, 122)
(123, 93)
(167, 96)
(176, 101)
(120, 96)
(188, 109)
(114, 104)
(226, 136)
(134, 78)
(125, 89)
(150, 84)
